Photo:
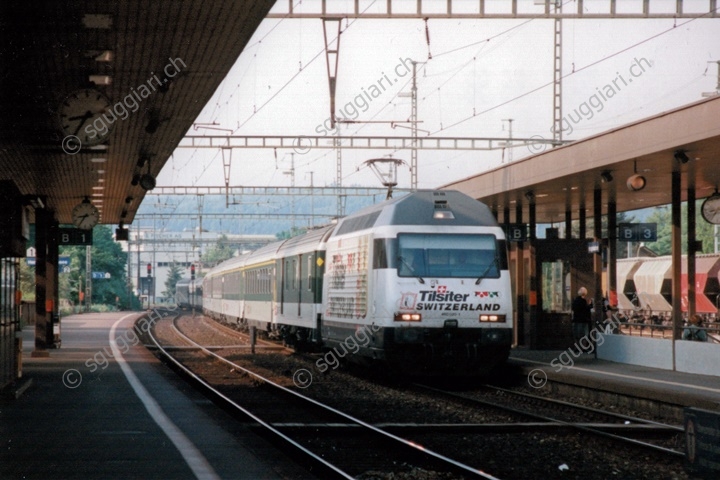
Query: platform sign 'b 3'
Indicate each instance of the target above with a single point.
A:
(637, 232)
(516, 233)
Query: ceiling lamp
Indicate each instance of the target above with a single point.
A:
(635, 182)
(680, 156)
(147, 181)
(152, 126)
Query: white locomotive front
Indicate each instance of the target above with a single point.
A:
(419, 283)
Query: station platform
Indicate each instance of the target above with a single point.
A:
(654, 384)
(92, 411)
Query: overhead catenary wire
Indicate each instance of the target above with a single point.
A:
(573, 72)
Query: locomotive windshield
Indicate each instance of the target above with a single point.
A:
(447, 255)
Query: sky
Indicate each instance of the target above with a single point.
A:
(472, 75)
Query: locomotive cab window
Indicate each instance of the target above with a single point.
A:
(447, 255)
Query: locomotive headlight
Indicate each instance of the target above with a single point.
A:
(492, 318)
(443, 215)
(408, 317)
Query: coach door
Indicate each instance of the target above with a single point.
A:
(290, 298)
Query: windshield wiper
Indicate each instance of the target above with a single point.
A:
(487, 269)
(412, 270)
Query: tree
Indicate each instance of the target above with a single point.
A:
(174, 274)
(663, 217)
(107, 257)
(219, 252)
(293, 232)
(27, 281)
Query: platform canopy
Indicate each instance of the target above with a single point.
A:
(50, 49)
(564, 178)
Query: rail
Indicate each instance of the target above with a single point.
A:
(583, 428)
(336, 471)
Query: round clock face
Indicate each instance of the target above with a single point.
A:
(85, 216)
(711, 209)
(84, 115)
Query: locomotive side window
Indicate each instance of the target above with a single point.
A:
(447, 255)
(384, 252)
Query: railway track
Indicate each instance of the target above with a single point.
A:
(487, 436)
(565, 414)
(307, 426)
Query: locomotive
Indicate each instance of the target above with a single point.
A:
(419, 284)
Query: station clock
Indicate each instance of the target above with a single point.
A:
(711, 209)
(85, 215)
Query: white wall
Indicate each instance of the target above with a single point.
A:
(697, 357)
(691, 357)
(645, 351)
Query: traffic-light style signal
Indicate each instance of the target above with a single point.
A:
(192, 271)
(149, 270)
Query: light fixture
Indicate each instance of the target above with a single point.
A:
(105, 56)
(165, 85)
(680, 156)
(530, 196)
(35, 201)
(606, 176)
(100, 79)
(135, 180)
(153, 122)
(147, 181)
(635, 182)
(128, 199)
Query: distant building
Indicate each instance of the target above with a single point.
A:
(160, 249)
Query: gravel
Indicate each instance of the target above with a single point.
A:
(532, 454)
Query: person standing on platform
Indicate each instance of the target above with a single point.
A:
(581, 315)
(693, 331)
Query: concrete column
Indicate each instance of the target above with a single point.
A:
(597, 257)
(612, 252)
(520, 282)
(531, 275)
(43, 331)
(676, 235)
(691, 240)
(568, 223)
(533, 225)
(51, 279)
